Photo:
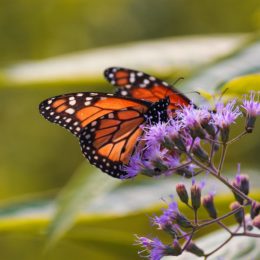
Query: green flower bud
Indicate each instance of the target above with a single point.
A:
(208, 203)
(182, 193)
(195, 196)
(193, 248)
(239, 215)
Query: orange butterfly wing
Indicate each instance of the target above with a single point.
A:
(140, 85)
(107, 125)
(112, 140)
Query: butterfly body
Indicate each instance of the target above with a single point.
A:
(108, 125)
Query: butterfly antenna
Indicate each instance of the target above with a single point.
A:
(222, 94)
(192, 92)
(177, 80)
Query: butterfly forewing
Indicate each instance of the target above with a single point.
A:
(140, 85)
(75, 111)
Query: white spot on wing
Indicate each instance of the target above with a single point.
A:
(72, 102)
(123, 93)
(70, 111)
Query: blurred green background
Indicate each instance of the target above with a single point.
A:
(52, 47)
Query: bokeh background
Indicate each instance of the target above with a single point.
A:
(52, 47)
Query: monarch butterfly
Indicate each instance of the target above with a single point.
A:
(140, 85)
(108, 125)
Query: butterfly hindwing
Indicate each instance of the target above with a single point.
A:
(109, 142)
(140, 85)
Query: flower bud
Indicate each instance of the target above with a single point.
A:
(256, 222)
(200, 153)
(255, 209)
(176, 247)
(195, 192)
(182, 221)
(210, 129)
(197, 131)
(192, 248)
(182, 193)
(185, 172)
(224, 133)
(159, 164)
(238, 215)
(244, 184)
(208, 203)
(216, 147)
(250, 123)
(179, 142)
(241, 182)
(168, 143)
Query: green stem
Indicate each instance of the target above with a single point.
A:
(237, 137)
(214, 173)
(220, 218)
(224, 243)
(229, 142)
(222, 159)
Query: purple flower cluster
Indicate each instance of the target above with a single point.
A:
(186, 145)
(173, 222)
(156, 249)
(167, 148)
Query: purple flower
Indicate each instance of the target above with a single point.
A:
(173, 161)
(158, 251)
(168, 215)
(173, 128)
(189, 116)
(134, 167)
(194, 119)
(145, 242)
(252, 105)
(163, 222)
(225, 114)
(252, 108)
(155, 248)
(154, 153)
(154, 134)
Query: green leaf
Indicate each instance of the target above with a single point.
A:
(211, 79)
(82, 190)
(240, 86)
(176, 57)
(94, 236)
